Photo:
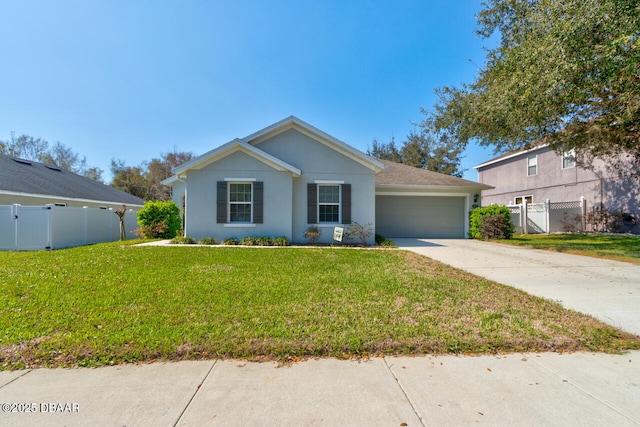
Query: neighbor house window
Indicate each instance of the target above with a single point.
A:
(519, 200)
(240, 202)
(532, 165)
(568, 159)
(328, 203)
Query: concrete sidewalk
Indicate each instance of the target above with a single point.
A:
(516, 389)
(607, 290)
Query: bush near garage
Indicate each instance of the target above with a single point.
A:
(484, 223)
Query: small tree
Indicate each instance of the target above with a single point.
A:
(159, 219)
(121, 213)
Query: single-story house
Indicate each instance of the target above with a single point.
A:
(538, 174)
(290, 176)
(27, 182)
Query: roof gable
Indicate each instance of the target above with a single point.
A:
(227, 149)
(292, 122)
(28, 177)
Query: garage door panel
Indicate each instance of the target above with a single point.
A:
(420, 216)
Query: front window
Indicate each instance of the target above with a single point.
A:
(568, 159)
(240, 202)
(328, 203)
(532, 165)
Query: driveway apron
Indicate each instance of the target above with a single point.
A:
(607, 290)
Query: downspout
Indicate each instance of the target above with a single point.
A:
(184, 208)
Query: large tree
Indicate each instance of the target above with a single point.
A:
(385, 151)
(144, 180)
(37, 149)
(129, 179)
(567, 71)
(424, 148)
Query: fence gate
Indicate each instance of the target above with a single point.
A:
(25, 227)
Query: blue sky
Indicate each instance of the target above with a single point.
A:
(133, 79)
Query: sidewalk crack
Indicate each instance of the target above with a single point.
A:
(15, 379)
(413, 407)
(195, 393)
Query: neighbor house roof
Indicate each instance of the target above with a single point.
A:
(29, 178)
(398, 174)
(511, 154)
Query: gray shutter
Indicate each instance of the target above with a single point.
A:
(258, 201)
(221, 216)
(312, 203)
(346, 203)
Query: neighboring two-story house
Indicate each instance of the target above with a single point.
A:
(539, 174)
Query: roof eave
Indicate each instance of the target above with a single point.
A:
(443, 188)
(71, 199)
(511, 156)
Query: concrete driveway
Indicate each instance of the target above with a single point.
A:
(607, 290)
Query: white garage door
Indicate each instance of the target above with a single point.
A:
(420, 216)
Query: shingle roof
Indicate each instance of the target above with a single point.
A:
(399, 174)
(26, 176)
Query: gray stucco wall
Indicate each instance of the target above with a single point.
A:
(201, 199)
(551, 181)
(320, 162)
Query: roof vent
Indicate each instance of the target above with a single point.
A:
(53, 168)
(21, 161)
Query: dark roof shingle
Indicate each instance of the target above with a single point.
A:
(26, 176)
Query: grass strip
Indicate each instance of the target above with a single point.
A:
(608, 246)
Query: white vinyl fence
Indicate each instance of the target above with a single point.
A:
(548, 217)
(54, 227)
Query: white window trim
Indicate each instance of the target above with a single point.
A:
(229, 202)
(529, 165)
(566, 155)
(523, 199)
(326, 181)
(240, 180)
(339, 204)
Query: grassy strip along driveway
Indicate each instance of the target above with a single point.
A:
(609, 246)
(113, 303)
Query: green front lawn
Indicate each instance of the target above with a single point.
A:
(610, 246)
(113, 303)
